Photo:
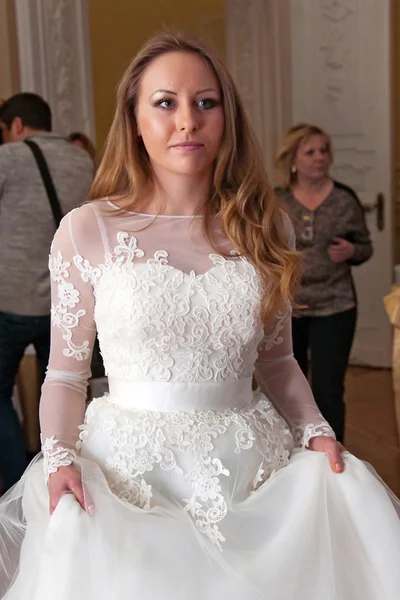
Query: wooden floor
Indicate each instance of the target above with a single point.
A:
(370, 425)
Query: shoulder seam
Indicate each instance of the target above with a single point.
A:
(102, 228)
(346, 188)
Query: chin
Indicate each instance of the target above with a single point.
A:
(193, 170)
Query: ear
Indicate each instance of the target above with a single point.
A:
(17, 126)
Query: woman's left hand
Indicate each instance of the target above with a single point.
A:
(332, 448)
(341, 250)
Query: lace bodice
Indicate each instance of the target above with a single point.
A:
(157, 322)
(167, 308)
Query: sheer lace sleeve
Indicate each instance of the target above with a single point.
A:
(281, 379)
(73, 333)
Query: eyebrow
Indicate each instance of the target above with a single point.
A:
(175, 94)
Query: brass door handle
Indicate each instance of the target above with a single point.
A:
(379, 207)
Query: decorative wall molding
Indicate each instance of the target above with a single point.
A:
(345, 98)
(334, 52)
(259, 58)
(55, 59)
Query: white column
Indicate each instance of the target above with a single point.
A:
(259, 58)
(55, 61)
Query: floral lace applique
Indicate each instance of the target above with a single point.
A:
(303, 434)
(127, 247)
(140, 441)
(68, 297)
(273, 338)
(55, 456)
(89, 274)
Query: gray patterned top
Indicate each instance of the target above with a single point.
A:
(327, 287)
(26, 222)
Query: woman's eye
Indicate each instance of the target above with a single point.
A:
(165, 103)
(204, 103)
(207, 103)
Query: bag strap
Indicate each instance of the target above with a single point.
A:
(47, 181)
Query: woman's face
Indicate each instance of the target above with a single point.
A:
(180, 115)
(313, 159)
(79, 143)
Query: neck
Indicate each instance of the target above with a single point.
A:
(28, 131)
(183, 195)
(313, 186)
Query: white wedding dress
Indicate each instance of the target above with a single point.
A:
(203, 488)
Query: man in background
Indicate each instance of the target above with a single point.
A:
(27, 226)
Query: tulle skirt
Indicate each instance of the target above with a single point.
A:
(296, 531)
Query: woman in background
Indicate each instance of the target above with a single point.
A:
(83, 141)
(332, 236)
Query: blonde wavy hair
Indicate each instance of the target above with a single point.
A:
(285, 157)
(240, 193)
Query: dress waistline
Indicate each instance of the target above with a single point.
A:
(171, 396)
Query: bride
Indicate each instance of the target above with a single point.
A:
(186, 482)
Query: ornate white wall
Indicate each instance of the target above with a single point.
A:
(328, 62)
(344, 98)
(54, 58)
(342, 81)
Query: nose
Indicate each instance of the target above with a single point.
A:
(186, 118)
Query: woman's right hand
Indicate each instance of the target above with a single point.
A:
(67, 480)
(341, 250)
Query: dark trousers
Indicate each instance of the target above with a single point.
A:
(329, 341)
(16, 333)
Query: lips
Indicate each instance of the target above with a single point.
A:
(188, 146)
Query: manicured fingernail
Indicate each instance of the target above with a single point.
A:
(339, 467)
(90, 509)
